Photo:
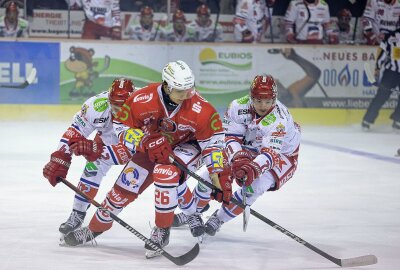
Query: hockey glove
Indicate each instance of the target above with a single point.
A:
(81, 146)
(57, 167)
(244, 169)
(225, 194)
(157, 148)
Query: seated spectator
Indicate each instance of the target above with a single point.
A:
(180, 31)
(11, 25)
(380, 17)
(205, 29)
(306, 21)
(144, 29)
(344, 28)
(103, 18)
(250, 20)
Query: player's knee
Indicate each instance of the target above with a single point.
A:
(166, 175)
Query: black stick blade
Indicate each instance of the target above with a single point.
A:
(185, 258)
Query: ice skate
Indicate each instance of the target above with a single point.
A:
(74, 222)
(179, 220)
(159, 236)
(213, 224)
(366, 126)
(196, 226)
(80, 237)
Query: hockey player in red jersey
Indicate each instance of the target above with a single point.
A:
(96, 115)
(162, 120)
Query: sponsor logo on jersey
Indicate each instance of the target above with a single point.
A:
(280, 131)
(165, 172)
(90, 170)
(130, 177)
(243, 111)
(243, 100)
(143, 98)
(100, 120)
(186, 127)
(196, 107)
(80, 121)
(268, 120)
(100, 104)
(84, 110)
(216, 122)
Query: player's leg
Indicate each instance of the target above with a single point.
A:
(89, 184)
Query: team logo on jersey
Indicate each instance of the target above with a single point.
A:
(143, 98)
(130, 177)
(100, 104)
(84, 110)
(167, 125)
(280, 131)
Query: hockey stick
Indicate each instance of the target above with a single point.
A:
(106, 64)
(307, 20)
(180, 260)
(355, 261)
(270, 23)
(29, 79)
(216, 21)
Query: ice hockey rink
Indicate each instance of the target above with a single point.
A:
(343, 199)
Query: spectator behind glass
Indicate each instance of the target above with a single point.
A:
(179, 30)
(344, 28)
(205, 29)
(306, 21)
(102, 18)
(250, 20)
(379, 18)
(10, 24)
(144, 28)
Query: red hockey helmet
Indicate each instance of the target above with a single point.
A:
(119, 92)
(203, 10)
(264, 87)
(179, 15)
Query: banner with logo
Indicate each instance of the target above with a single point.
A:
(17, 60)
(312, 76)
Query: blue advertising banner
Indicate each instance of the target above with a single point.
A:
(18, 63)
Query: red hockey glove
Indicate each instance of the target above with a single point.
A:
(157, 148)
(244, 169)
(57, 167)
(225, 181)
(115, 32)
(81, 146)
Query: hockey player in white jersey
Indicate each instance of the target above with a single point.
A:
(144, 28)
(102, 18)
(250, 20)
(11, 25)
(205, 29)
(179, 30)
(96, 114)
(262, 146)
(307, 21)
(379, 18)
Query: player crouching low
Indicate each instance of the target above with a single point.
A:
(262, 145)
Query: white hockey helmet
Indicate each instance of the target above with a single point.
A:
(178, 76)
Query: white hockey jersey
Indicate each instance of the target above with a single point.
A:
(168, 34)
(250, 15)
(95, 115)
(21, 29)
(136, 31)
(381, 17)
(102, 12)
(309, 20)
(276, 130)
(206, 33)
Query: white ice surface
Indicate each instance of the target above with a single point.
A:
(344, 203)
